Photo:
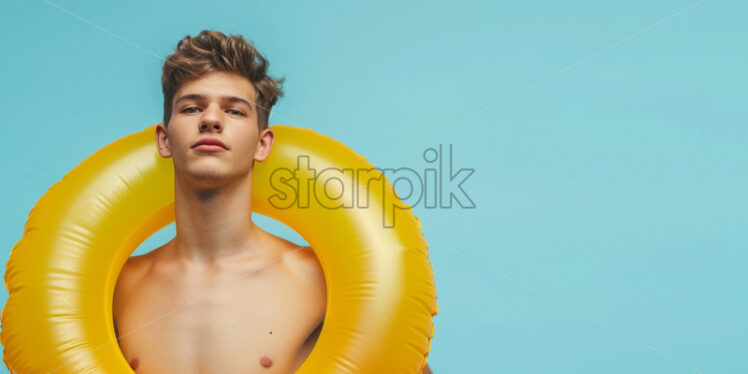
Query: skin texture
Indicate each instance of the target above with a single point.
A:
(223, 296)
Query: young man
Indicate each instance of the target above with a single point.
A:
(223, 296)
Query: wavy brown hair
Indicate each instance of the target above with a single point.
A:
(214, 51)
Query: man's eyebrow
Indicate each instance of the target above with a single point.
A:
(231, 99)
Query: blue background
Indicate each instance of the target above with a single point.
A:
(609, 233)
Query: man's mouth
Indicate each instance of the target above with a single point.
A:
(209, 145)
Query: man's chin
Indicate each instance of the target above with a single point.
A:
(211, 179)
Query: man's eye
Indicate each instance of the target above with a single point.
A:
(187, 110)
(236, 112)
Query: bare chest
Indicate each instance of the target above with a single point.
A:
(226, 324)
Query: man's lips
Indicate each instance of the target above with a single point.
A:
(209, 145)
(209, 148)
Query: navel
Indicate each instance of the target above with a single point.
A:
(266, 362)
(134, 363)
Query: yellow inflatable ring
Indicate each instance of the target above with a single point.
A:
(61, 274)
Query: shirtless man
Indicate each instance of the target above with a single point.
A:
(223, 296)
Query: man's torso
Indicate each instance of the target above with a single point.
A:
(247, 317)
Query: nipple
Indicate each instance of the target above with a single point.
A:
(266, 362)
(134, 363)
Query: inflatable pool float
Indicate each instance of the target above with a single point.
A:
(61, 274)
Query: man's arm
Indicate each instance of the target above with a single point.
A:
(427, 370)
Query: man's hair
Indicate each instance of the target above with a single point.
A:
(212, 51)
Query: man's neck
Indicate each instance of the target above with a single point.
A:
(214, 225)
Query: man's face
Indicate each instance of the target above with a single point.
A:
(219, 106)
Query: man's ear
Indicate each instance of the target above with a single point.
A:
(264, 145)
(162, 142)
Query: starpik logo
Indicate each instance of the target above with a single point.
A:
(436, 186)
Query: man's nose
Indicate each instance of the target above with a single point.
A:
(212, 119)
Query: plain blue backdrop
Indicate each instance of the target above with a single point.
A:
(610, 149)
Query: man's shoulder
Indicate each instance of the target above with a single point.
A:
(304, 263)
(133, 272)
(129, 277)
(301, 260)
(138, 265)
(307, 273)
